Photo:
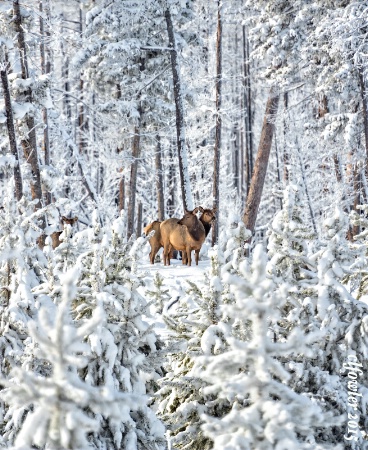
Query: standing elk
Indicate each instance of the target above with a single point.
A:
(186, 235)
(156, 242)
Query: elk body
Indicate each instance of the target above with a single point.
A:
(185, 235)
(55, 236)
(155, 241)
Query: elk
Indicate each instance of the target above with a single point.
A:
(207, 217)
(186, 235)
(55, 236)
(155, 241)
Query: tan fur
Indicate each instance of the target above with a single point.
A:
(55, 236)
(186, 235)
(155, 241)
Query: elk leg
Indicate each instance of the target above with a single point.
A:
(167, 249)
(189, 256)
(184, 259)
(196, 257)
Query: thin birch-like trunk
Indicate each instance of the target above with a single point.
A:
(122, 194)
(260, 169)
(159, 181)
(133, 179)
(217, 148)
(45, 68)
(180, 124)
(139, 219)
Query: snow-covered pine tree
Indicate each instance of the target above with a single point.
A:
(22, 267)
(265, 413)
(343, 322)
(126, 355)
(289, 247)
(57, 402)
(198, 328)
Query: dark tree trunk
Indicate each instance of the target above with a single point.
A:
(159, 181)
(248, 112)
(260, 168)
(171, 183)
(139, 219)
(365, 114)
(82, 119)
(122, 193)
(286, 152)
(11, 133)
(133, 179)
(217, 148)
(29, 142)
(180, 125)
(45, 68)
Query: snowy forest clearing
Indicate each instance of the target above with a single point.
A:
(236, 129)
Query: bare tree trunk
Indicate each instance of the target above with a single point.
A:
(45, 68)
(171, 183)
(11, 133)
(365, 113)
(139, 219)
(159, 181)
(133, 179)
(122, 194)
(217, 148)
(286, 153)
(260, 169)
(82, 120)
(180, 125)
(28, 142)
(248, 116)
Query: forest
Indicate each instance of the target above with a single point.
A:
(244, 125)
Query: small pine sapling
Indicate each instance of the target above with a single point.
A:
(264, 413)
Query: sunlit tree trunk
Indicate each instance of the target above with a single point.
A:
(45, 68)
(260, 168)
(133, 179)
(217, 148)
(28, 140)
(159, 181)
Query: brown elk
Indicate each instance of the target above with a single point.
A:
(55, 236)
(155, 241)
(186, 235)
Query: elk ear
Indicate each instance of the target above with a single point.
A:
(201, 209)
(214, 209)
(75, 219)
(195, 210)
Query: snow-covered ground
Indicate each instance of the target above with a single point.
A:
(175, 281)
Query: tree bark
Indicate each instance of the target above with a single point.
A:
(159, 181)
(180, 125)
(365, 114)
(11, 133)
(171, 183)
(45, 68)
(139, 219)
(260, 168)
(248, 115)
(122, 194)
(286, 153)
(217, 148)
(28, 142)
(133, 179)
